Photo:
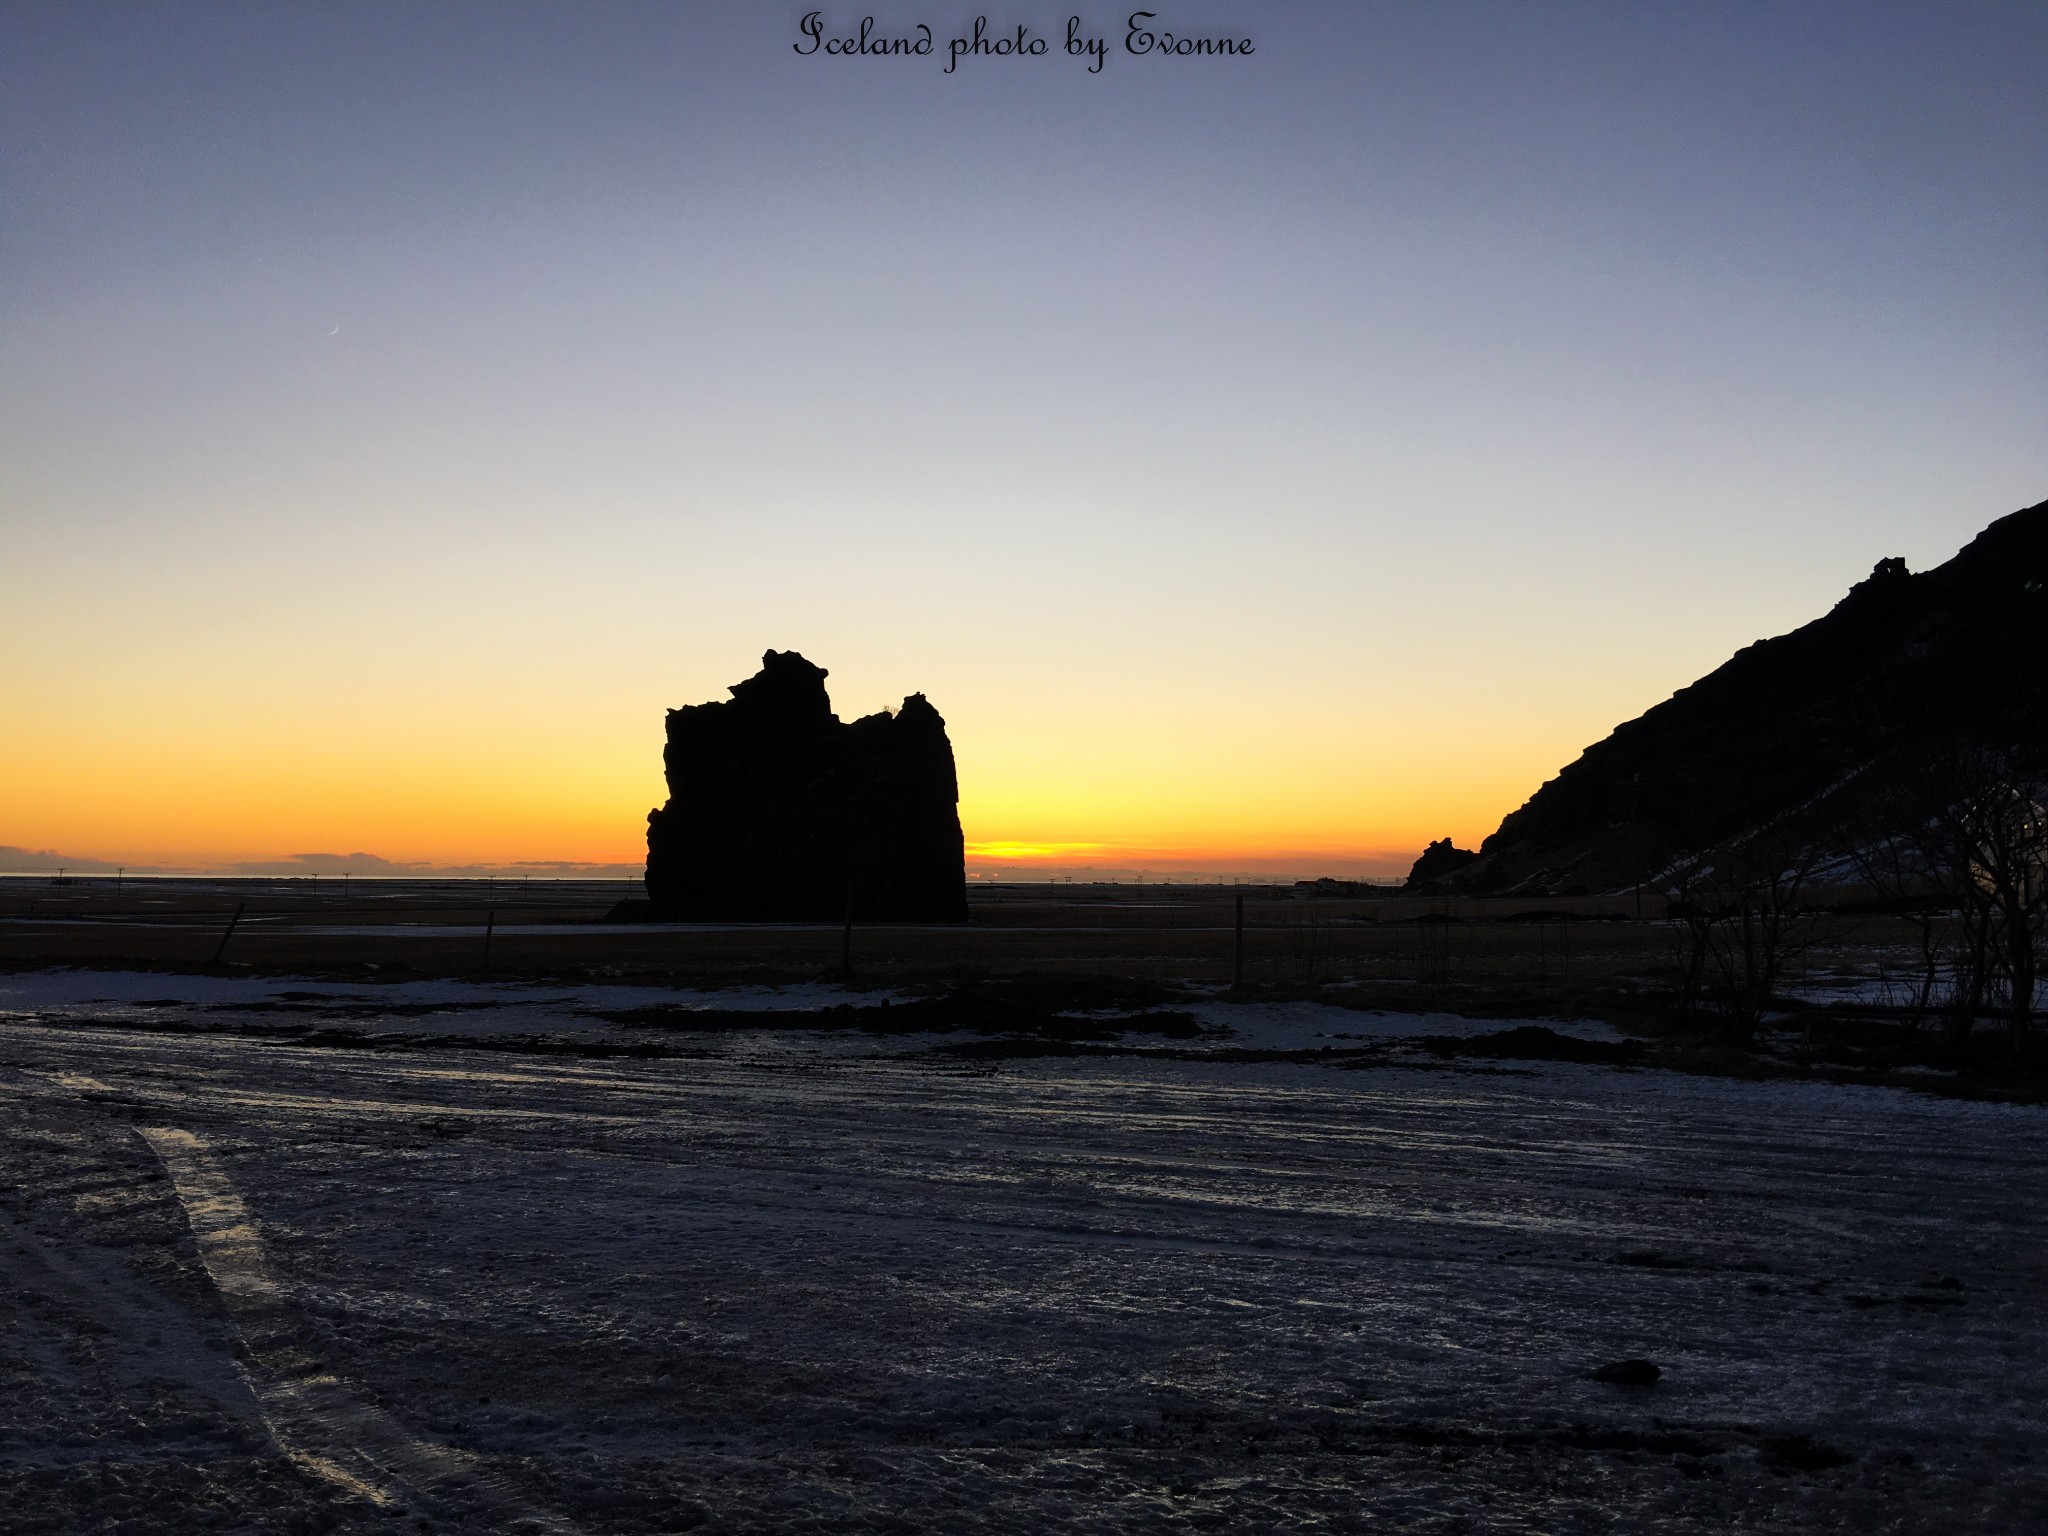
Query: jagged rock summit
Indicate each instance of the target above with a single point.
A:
(778, 811)
(1440, 858)
(1957, 652)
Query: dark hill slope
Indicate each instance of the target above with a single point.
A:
(1961, 650)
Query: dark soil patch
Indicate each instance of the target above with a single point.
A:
(1039, 1007)
(1801, 1453)
(1533, 1042)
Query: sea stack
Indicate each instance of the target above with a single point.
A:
(778, 811)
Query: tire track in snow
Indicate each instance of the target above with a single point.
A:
(313, 1416)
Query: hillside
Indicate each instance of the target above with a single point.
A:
(1959, 650)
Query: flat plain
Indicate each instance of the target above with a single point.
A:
(295, 1244)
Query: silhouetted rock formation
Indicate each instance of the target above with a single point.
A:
(778, 811)
(1440, 858)
(1958, 651)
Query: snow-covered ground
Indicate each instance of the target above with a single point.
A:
(831, 1280)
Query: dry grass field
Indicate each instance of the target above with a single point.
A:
(1606, 956)
(1167, 932)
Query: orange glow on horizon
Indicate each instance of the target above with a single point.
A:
(439, 799)
(1028, 852)
(449, 768)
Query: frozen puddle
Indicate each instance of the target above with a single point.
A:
(439, 1009)
(257, 1284)
(94, 993)
(1318, 1026)
(452, 1009)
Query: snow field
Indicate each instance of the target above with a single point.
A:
(803, 1283)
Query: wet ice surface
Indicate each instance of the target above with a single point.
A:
(95, 994)
(856, 1284)
(1314, 1026)
(586, 1010)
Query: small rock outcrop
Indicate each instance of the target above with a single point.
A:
(778, 811)
(1440, 858)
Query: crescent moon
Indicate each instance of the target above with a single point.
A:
(335, 332)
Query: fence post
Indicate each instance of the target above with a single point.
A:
(1237, 948)
(222, 947)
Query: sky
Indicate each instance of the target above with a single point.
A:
(1265, 463)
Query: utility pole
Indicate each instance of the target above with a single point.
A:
(846, 934)
(222, 947)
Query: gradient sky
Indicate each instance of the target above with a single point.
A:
(1266, 462)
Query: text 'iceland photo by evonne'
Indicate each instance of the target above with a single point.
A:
(980, 41)
(1037, 769)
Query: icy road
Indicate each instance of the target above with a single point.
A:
(778, 1281)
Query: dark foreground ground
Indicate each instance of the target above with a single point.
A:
(603, 1254)
(556, 928)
